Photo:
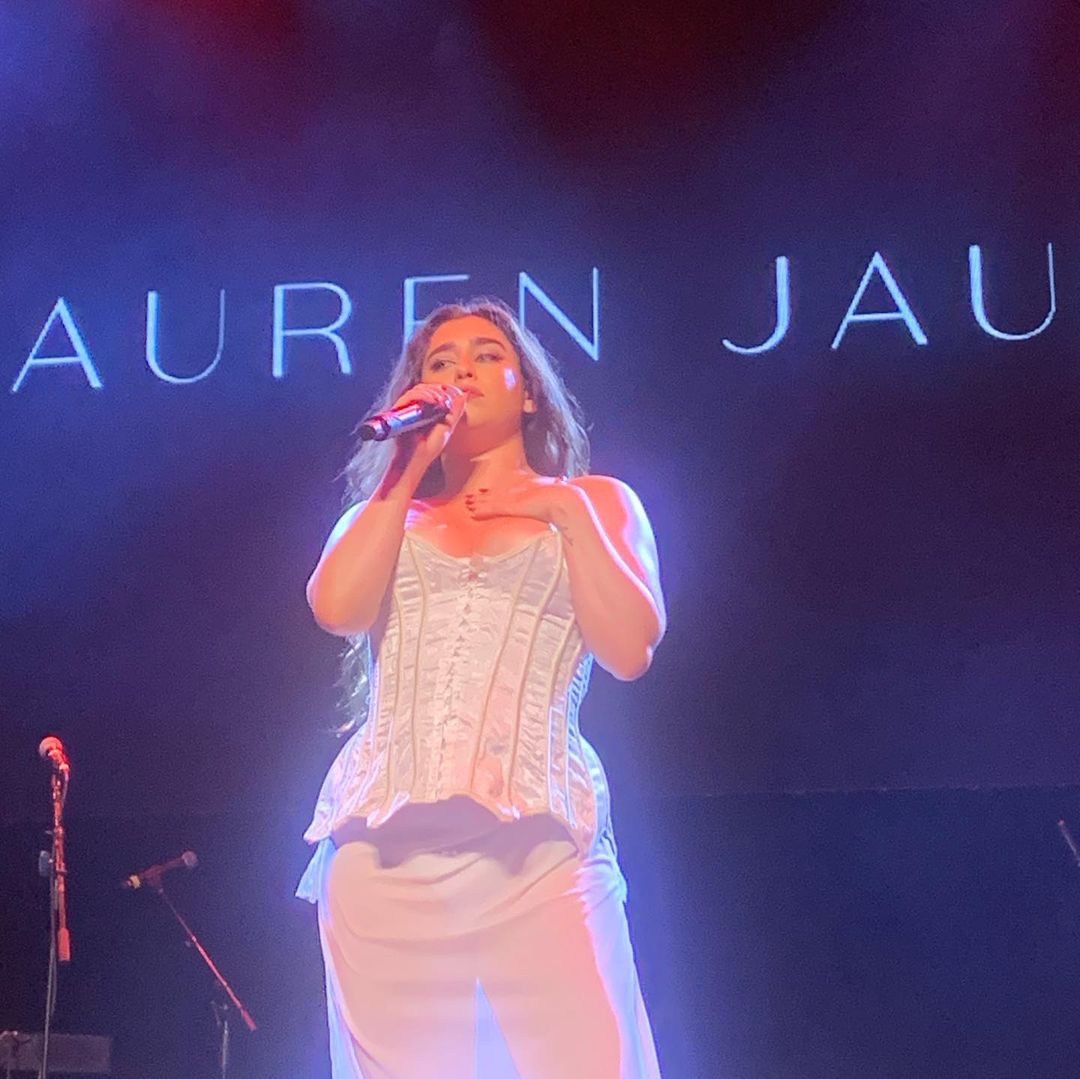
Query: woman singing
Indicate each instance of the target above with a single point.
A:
(471, 907)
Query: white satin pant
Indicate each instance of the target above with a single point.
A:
(458, 946)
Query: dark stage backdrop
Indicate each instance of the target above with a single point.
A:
(867, 526)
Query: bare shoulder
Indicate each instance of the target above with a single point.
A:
(611, 497)
(620, 512)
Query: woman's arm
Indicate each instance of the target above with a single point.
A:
(346, 589)
(614, 572)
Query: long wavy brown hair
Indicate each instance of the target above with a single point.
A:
(556, 444)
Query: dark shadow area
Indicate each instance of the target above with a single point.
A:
(904, 935)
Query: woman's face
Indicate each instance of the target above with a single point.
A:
(474, 355)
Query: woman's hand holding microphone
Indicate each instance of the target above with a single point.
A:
(415, 451)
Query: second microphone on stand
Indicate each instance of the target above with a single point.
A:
(153, 875)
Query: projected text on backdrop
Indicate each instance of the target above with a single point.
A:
(877, 269)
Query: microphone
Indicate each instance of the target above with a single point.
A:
(398, 421)
(153, 875)
(52, 750)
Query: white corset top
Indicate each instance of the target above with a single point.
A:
(478, 672)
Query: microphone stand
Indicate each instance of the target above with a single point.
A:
(222, 1009)
(54, 866)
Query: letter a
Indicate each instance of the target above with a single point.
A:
(81, 356)
(903, 308)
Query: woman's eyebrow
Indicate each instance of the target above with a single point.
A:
(475, 341)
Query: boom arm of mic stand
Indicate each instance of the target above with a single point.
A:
(197, 945)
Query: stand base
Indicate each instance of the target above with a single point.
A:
(69, 1054)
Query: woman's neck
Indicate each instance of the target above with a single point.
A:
(501, 465)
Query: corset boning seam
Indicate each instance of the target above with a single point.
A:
(537, 623)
